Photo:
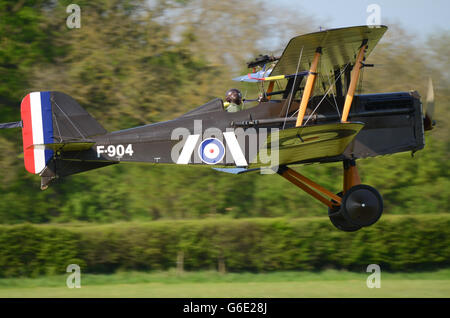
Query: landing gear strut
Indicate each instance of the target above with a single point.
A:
(357, 206)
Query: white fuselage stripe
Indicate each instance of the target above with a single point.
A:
(188, 149)
(235, 149)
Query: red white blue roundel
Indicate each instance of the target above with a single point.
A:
(211, 151)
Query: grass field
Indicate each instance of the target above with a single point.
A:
(328, 283)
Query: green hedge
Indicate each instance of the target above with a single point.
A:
(397, 243)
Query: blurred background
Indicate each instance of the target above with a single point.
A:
(134, 62)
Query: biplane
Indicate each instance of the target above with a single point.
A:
(315, 116)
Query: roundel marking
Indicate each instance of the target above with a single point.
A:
(211, 151)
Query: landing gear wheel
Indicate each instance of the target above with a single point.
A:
(338, 220)
(362, 205)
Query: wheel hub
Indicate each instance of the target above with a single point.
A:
(362, 205)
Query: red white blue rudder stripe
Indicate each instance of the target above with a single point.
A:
(36, 113)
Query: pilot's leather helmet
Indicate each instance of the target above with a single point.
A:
(233, 96)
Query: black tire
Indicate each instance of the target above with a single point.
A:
(362, 205)
(338, 220)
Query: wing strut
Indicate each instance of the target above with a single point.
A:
(269, 90)
(309, 86)
(354, 81)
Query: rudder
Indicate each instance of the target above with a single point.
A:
(36, 114)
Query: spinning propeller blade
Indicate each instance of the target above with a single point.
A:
(428, 121)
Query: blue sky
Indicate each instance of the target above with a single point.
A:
(417, 16)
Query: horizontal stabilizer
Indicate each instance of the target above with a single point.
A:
(16, 124)
(69, 146)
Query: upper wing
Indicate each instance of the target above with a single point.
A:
(339, 47)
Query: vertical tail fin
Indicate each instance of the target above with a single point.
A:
(36, 113)
(51, 122)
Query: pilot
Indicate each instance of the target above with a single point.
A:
(234, 97)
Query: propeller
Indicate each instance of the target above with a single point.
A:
(428, 122)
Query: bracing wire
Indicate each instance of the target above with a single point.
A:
(331, 86)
